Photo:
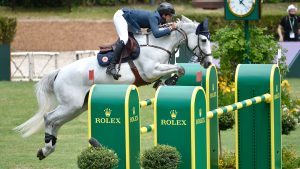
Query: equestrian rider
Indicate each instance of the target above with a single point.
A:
(131, 20)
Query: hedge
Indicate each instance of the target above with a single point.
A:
(217, 21)
(8, 28)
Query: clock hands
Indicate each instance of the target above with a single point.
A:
(241, 2)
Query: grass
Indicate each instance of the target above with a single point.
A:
(18, 103)
(106, 12)
(295, 84)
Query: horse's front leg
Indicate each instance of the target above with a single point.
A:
(167, 69)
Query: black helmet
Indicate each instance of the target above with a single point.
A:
(166, 8)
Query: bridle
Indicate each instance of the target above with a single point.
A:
(202, 54)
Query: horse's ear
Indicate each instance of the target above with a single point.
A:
(202, 27)
(185, 19)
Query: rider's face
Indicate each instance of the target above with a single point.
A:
(168, 18)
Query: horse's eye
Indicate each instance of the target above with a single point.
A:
(203, 40)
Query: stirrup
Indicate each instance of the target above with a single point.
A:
(111, 70)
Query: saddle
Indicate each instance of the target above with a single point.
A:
(131, 51)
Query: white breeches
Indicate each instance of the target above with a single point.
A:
(121, 26)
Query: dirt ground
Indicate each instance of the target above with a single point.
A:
(62, 35)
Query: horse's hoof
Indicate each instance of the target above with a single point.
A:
(181, 71)
(157, 84)
(40, 154)
(172, 80)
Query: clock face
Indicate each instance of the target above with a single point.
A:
(241, 7)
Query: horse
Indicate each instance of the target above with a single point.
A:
(62, 95)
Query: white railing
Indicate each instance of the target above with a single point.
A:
(85, 53)
(32, 65)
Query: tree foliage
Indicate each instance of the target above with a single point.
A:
(231, 49)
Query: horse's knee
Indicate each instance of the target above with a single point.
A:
(181, 71)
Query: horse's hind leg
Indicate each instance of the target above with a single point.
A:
(53, 121)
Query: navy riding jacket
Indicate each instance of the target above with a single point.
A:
(138, 19)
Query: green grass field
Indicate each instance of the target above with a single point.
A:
(18, 103)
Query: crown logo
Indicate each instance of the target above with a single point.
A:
(107, 112)
(133, 110)
(200, 112)
(173, 114)
(213, 87)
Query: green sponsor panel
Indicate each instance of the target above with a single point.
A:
(114, 121)
(276, 128)
(180, 121)
(192, 70)
(254, 123)
(209, 82)
(5, 62)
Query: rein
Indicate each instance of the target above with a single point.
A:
(154, 46)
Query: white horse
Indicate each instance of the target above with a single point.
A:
(62, 94)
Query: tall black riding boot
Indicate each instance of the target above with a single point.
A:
(111, 69)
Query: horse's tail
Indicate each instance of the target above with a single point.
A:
(46, 101)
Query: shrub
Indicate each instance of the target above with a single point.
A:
(99, 157)
(225, 97)
(8, 27)
(227, 160)
(161, 157)
(289, 158)
(217, 21)
(288, 123)
(290, 109)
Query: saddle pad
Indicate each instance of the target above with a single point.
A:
(104, 58)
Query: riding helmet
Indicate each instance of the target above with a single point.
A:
(166, 8)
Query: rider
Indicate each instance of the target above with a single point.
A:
(131, 20)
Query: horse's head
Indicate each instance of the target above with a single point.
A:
(197, 39)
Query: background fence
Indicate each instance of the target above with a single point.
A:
(32, 66)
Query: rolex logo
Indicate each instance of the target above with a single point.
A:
(107, 112)
(173, 114)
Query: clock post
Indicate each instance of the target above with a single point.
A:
(247, 38)
(245, 10)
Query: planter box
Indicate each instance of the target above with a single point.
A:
(5, 62)
(208, 4)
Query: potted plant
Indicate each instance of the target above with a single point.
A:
(7, 34)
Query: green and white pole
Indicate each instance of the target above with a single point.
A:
(242, 104)
(147, 129)
(146, 102)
